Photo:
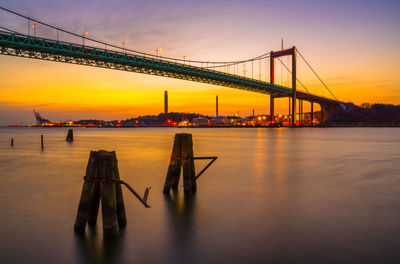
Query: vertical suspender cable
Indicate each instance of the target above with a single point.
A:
(316, 75)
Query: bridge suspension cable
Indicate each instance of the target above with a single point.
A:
(261, 57)
(220, 63)
(296, 78)
(316, 75)
(10, 30)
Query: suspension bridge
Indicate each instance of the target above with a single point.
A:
(222, 73)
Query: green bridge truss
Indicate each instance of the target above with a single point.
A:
(26, 46)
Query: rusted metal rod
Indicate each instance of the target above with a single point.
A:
(142, 200)
(206, 167)
(199, 158)
(213, 159)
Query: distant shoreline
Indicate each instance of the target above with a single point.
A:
(241, 127)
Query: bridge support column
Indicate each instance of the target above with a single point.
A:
(272, 109)
(294, 79)
(275, 55)
(302, 112)
(289, 116)
(182, 156)
(272, 81)
(300, 120)
(312, 114)
(322, 115)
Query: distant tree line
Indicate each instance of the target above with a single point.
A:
(367, 115)
(162, 119)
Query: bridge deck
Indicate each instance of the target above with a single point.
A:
(21, 45)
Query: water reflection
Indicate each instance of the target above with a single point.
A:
(180, 212)
(93, 247)
(278, 169)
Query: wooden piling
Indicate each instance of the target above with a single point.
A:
(41, 139)
(312, 113)
(70, 135)
(182, 155)
(94, 208)
(189, 174)
(87, 203)
(12, 142)
(108, 194)
(93, 167)
(120, 198)
(174, 169)
(102, 165)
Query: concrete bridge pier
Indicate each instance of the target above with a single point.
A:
(272, 109)
(290, 116)
(294, 111)
(323, 115)
(300, 113)
(312, 114)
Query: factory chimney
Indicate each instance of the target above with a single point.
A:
(166, 102)
(216, 106)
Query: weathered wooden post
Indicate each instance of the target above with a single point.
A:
(101, 184)
(174, 169)
(189, 174)
(108, 194)
(89, 202)
(182, 155)
(41, 140)
(12, 142)
(70, 135)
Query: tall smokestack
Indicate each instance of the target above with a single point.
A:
(166, 102)
(216, 106)
(253, 112)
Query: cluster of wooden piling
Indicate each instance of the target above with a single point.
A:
(182, 156)
(102, 165)
(102, 183)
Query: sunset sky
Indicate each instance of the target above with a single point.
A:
(353, 45)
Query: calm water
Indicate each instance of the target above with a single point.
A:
(273, 196)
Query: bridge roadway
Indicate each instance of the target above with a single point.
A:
(15, 44)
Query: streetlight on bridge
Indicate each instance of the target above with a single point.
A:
(157, 50)
(34, 28)
(83, 37)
